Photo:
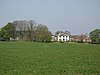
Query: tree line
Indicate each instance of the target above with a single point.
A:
(31, 31)
(25, 30)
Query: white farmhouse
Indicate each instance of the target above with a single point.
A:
(61, 36)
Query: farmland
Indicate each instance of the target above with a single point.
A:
(28, 58)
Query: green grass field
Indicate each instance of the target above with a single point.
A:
(28, 58)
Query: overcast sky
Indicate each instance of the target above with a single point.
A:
(76, 16)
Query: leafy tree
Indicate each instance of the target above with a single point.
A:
(95, 36)
(5, 32)
(42, 34)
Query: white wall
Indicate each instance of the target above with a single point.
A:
(60, 38)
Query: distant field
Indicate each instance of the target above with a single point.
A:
(28, 58)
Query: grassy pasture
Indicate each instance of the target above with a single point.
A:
(28, 58)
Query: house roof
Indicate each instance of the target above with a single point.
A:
(78, 36)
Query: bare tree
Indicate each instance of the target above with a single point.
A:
(31, 29)
(20, 28)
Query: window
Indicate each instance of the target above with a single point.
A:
(59, 39)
